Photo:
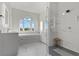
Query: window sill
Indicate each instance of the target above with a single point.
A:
(28, 33)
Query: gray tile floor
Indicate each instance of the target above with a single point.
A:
(32, 49)
(40, 49)
(61, 51)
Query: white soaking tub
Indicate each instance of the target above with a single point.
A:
(29, 37)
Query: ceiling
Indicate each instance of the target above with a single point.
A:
(35, 7)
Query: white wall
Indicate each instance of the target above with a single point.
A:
(64, 20)
(70, 36)
(17, 15)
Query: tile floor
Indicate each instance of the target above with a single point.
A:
(33, 49)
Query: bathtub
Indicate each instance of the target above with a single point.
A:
(29, 37)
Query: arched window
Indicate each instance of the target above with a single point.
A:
(27, 24)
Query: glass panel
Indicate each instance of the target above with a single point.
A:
(21, 24)
(33, 25)
(46, 24)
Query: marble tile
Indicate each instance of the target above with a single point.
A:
(33, 49)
